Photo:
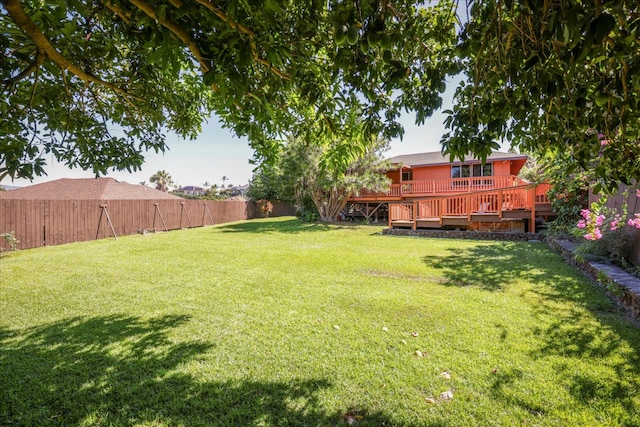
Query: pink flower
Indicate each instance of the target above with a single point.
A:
(599, 220)
(585, 213)
(638, 193)
(596, 235)
(581, 224)
(614, 225)
(604, 142)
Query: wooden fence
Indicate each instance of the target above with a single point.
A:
(633, 207)
(616, 201)
(38, 223)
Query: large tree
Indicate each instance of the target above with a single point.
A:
(557, 76)
(311, 165)
(96, 83)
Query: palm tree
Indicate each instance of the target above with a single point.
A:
(224, 179)
(206, 185)
(162, 180)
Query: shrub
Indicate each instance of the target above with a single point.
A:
(11, 240)
(308, 215)
(607, 232)
(265, 206)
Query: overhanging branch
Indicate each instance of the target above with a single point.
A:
(183, 35)
(245, 30)
(23, 21)
(33, 66)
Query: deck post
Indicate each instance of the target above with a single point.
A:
(500, 203)
(414, 226)
(532, 224)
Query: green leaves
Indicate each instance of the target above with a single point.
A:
(73, 70)
(568, 73)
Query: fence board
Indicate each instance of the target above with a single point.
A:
(53, 222)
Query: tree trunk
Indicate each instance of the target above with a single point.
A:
(329, 203)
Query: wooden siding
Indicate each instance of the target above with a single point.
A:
(54, 222)
(432, 172)
(443, 171)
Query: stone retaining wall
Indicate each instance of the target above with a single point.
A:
(474, 235)
(623, 287)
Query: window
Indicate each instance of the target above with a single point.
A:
(475, 170)
(461, 171)
(464, 171)
(407, 175)
(483, 170)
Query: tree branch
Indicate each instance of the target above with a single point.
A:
(23, 21)
(35, 64)
(119, 12)
(245, 30)
(183, 35)
(220, 14)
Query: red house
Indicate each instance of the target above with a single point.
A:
(429, 191)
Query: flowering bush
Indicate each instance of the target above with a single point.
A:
(607, 231)
(265, 206)
(568, 194)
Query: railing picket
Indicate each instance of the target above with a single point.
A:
(434, 186)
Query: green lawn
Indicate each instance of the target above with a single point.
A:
(276, 322)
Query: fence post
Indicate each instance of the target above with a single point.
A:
(206, 211)
(157, 211)
(183, 210)
(103, 210)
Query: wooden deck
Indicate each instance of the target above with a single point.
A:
(509, 209)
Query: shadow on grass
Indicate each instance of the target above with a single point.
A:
(275, 226)
(493, 266)
(121, 370)
(574, 321)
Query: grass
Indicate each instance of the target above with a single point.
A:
(276, 322)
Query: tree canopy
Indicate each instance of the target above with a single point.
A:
(96, 83)
(72, 71)
(162, 179)
(559, 76)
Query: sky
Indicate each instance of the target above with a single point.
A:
(217, 153)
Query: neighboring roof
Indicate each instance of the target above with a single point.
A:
(436, 158)
(86, 189)
(191, 188)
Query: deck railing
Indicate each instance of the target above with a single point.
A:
(487, 202)
(452, 185)
(542, 191)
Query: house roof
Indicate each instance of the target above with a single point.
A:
(86, 189)
(437, 158)
(191, 188)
